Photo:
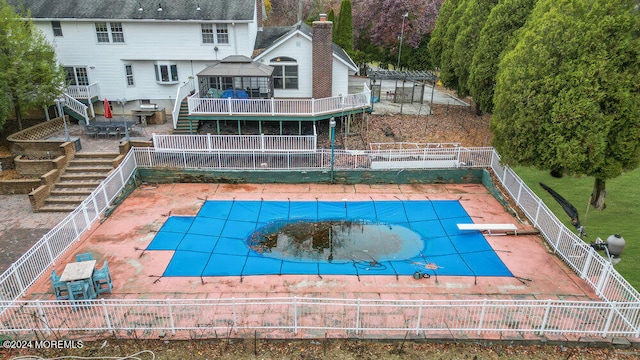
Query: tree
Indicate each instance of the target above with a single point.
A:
(568, 95)
(344, 29)
(436, 44)
(472, 20)
(29, 73)
(382, 20)
(496, 38)
(447, 68)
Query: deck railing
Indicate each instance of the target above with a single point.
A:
(235, 143)
(617, 314)
(279, 107)
(84, 91)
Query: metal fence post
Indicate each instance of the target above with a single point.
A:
(585, 269)
(18, 280)
(609, 319)
(106, 314)
(46, 241)
(357, 316)
(419, 316)
(42, 317)
(545, 318)
(295, 315)
(171, 322)
(233, 308)
(604, 276)
(484, 307)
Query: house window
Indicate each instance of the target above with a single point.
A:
(57, 28)
(166, 73)
(215, 34)
(76, 75)
(117, 36)
(109, 32)
(207, 34)
(285, 73)
(222, 34)
(128, 71)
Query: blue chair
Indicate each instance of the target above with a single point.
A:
(59, 287)
(79, 290)
(84, 257)
(102, 279)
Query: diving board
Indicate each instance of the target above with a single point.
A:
(489, 227)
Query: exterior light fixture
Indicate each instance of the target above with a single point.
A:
(159, 7)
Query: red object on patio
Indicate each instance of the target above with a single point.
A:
(107, 109)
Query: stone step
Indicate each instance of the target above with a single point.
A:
(57, 208)
(99, 155)
(91, 162)
(77, 184)
(95, 168)
(75, 199)
(84, 176)
(72, 191)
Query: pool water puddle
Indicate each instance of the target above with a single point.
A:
(336, 240)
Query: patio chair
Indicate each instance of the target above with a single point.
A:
(79, 290)
(59, 288)
(102, 280)
(103, 131)
(91, 131)
(84, 257)
(114, 131)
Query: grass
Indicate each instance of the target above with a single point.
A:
(621, 215)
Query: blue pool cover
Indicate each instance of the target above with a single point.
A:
(215, 242)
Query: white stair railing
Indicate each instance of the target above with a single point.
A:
(76, 106)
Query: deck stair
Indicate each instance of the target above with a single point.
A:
(83, 174)
(185, 125)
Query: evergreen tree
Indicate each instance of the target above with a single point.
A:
(29, 75)
(568, 95)
(472, 20)
(436, 44)
(344, 30)
(496, 38)
(447, 66)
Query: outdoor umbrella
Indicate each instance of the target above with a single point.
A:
(107, 109)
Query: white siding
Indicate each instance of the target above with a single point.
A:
(145, 42)
(299, 48)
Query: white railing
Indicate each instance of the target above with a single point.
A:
(183, 91)
(279, 107)
(302, 317)
(618, 314)
(234, 143)
(76, 106)
(409, 145)
(84, 91)
(310, 160)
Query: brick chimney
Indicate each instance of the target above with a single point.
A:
(259, 14)
(322, 57)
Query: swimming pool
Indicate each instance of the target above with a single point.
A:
(242, 238)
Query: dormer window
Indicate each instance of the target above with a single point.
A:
(57, 28)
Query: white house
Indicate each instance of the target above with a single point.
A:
(149, 51)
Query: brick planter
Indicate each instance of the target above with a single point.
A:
(30, 166)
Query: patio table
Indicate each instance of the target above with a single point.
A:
(80, 271)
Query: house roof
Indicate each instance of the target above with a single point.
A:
(211, 10)
(237, 65)
(270, 36)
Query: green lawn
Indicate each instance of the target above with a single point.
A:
(621, 216)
